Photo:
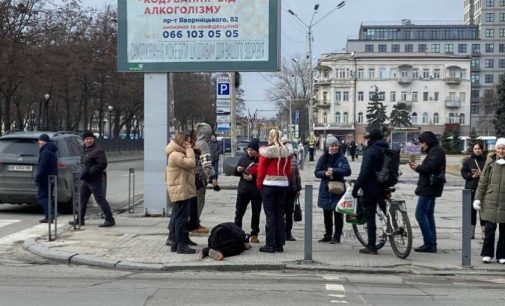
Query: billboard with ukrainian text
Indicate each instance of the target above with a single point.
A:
(198, 35)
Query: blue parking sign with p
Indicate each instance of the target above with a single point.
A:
(223, 89)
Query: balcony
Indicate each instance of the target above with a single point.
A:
(405, 80)
(452, 102)
(326, 81)
(453, 81)
(323, 104)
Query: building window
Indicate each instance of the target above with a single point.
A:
(426, 73)
(475, 78)
(425, 96)
(345, 96)
(436, 73)
(489, 63)
(426, 118)
(449, 48)
(393, 73)
(489, 48)
(501, 47)
(360, 117)
(371, 73)
(422, 48)
(475, 48)
(474, 109)
(392, 96)
(383, 48)
(489, 17)
(369, 48)
(414, 96)
(435, 118)
(415, 73)
(404, 73)
(395, 48)
(489, 33)
(413, 118)
(489, 3)
(501, 63)
(371, 94)
(461, 48)
(346, 118)
(360, 96)
(409, 48)
(383, 73)
(502, 32)
(489, 78)
(404, 96)
(475, 94)
(451, 118)
(325, 117)
(502, 17)
(337, 117)
(502, 2)
(325, 96)
(435, 48)
(462, 96)
(461, 118)
(338, 96)
(435, 96)
(342, 73)
(475, 63)
(361, 73)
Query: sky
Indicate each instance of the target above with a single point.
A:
(331, 33)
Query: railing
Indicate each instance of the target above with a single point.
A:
(453, 81)
(452, 102)
(405, 80)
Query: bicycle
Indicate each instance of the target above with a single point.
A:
(392, 222)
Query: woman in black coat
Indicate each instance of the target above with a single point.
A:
(471, 171)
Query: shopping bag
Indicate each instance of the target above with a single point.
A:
(297, 214)
(347, 204)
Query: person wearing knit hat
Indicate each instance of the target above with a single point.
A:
(48, 165)
(331, 166)
(247, 191)
(490, 200)
(88, 134)
(44, 138)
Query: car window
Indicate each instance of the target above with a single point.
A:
(19, 146)
(74, 146)
(63, 150)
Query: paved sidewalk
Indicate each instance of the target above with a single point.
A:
(138, 242)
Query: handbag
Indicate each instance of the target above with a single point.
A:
(336, 187)
(347, 204)
(437, 180)
(297, 213)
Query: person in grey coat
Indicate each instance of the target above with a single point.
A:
(490, 200)
(215, 151)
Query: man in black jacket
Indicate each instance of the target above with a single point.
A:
(429, 186)
(48, 165)
(373, 192)
(94, 179)
(247, 169)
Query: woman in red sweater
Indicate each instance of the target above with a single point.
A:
(272, 180)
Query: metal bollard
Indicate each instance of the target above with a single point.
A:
(52, 194)
(76, 201)
(466, 249)
(131, 185)
(308, 224)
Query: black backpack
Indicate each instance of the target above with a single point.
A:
(228, 238)
(388, 174)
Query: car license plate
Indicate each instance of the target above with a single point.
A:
(20, 168)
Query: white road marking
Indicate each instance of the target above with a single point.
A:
(33, 232)
(8, 222)
(337, 295)
(339, 302)
(334, 287)
(331, 277)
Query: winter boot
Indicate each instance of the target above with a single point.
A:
(326, 238)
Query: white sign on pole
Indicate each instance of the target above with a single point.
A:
(223, 122)
(223, 106)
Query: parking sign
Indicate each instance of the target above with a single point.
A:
(223, 89)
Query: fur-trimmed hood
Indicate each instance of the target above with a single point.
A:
(174, 147)
(276, 152)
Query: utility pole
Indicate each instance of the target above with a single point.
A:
(233, 114)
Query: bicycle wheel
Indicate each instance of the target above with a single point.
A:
(360, 231)
(401, 237)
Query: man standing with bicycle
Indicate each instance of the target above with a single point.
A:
(373, 192)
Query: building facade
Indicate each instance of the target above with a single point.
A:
(435, 87)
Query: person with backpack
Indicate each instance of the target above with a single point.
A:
(225, 240)
(429, 187)
(373, 191)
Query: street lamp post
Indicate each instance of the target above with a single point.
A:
(309, 37)
(110, 108)
(47, 97)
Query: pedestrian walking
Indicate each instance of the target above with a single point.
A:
(352, 150)
(273, 172)
(293, 192)
(331, 166)
(94, 179)
(312, 147)
(490, 200)
(471, 171)
(48, 165)
(180, 181)
(247, 191)
(373, 191)
(429, 187)
(215, 151)
(301, 155)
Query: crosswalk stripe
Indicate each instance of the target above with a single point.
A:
(33, 232)
(337, 295)
(339, 302)
(331, 277)
(8, 222)
(334, 287)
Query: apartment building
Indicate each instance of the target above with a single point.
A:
(435, 87)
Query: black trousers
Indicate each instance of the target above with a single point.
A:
(488, 245)
(474, 213)
(243, 200)
(329, 215)
(289, 208)
(273, 204)
(97, 188)
(178, 222)
(193, 222)
(371, 202)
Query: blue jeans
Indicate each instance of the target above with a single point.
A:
(425, 216)
(215, 165)
(43, 199)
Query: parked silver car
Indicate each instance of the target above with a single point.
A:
(19, 155)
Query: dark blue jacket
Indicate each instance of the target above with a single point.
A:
(48, 164)
(341, 168)
(372, 162)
